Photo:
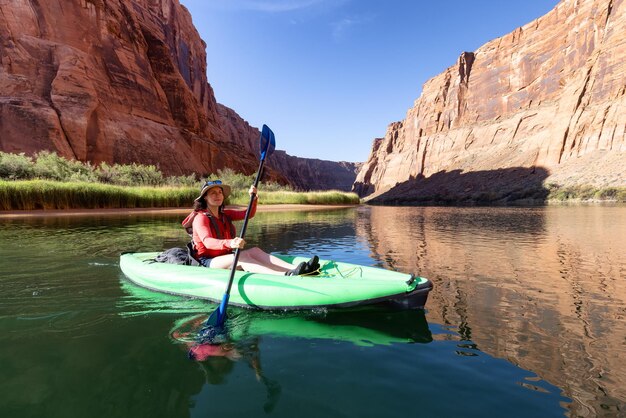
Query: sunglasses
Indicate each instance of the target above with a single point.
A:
(212, 183)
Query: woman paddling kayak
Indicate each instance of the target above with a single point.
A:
(215, 237)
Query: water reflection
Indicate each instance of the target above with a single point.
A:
(245, 330)
(217, 361)
(521, 296)
(543, 288)
(361, 327)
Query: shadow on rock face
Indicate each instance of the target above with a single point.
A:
(502, 186)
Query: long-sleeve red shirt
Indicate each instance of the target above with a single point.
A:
(208, 245)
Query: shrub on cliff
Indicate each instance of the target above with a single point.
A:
(16, 166)
(242, 182)
(130, 174)
(50, 166)
(47, 165)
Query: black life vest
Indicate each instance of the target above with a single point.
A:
(215, 229)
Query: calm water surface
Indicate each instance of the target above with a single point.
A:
(527, 318)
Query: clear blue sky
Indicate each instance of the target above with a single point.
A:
(328, 76)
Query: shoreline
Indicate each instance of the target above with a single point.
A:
(133, 211)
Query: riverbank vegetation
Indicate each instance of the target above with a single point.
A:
(47, 181)
(558, 193)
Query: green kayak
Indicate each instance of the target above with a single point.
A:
(338, 285)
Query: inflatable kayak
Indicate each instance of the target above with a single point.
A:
(338, 285)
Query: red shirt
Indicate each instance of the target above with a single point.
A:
(207, 245)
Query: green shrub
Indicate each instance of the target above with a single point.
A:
(240, 183)
(16, 166)
(585, 192)
(48, 165)
(130, 174)
(607, 193)
(186, 181)
(237, 181)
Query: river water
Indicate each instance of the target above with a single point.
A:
(527, 318)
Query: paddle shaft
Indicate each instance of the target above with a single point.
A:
(216, 320)
(244, 227)
(220, 314)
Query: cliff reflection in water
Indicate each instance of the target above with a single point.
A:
(541, 287)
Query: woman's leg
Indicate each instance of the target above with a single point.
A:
(222, 261)
(269, 260)
(253, 260)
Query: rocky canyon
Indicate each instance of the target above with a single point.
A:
(544, 104)
(124, 81)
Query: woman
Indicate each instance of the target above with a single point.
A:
(215, 238)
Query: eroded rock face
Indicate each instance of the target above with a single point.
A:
(548, 99)
(301, 173)
(114, 81)
(314, 174)
(119, 81)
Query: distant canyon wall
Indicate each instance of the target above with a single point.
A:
(545, 103)
(301, 173)
(118, 81)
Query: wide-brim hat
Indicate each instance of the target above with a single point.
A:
(211, 184)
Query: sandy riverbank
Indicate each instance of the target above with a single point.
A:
(134, 211)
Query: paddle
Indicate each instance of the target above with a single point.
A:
(217, 318)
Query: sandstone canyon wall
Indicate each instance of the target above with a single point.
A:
(119, 81)
(543, 104)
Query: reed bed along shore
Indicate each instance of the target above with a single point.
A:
(50, 182)
(585, 193)
(53, 195)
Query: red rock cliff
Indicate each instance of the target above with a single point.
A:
(546, 101)
(119, 81)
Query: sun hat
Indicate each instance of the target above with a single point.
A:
(211, 184)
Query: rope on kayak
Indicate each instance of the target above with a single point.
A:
(323, 271)
(350, 272)
(346, 274)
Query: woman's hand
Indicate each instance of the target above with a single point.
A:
(237, 243)
(252, 191)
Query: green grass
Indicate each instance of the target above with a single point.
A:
(585, 193)
(46, 194)
(330, 197)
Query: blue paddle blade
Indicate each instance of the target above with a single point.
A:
(213, 329)
(215, 319)
(218, 316)
(267, 142)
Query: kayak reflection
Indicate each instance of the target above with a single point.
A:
(362, 327)
(366, 326)
(245, 329)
